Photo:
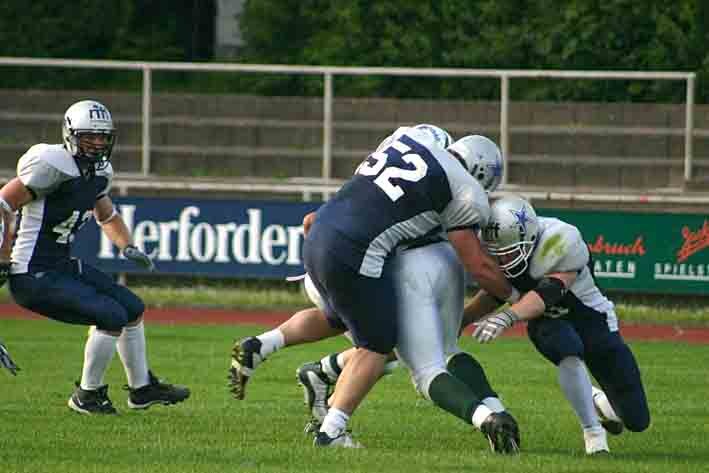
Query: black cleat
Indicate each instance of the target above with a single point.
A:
(89, 402)
(344, 440)
(156, 392)
(245, 357)
(316, 389)
(502, 433)
(312, 427)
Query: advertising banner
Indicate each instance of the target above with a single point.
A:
(632, 252)
(643, 252)
(202, 237)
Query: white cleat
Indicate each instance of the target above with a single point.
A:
(596, 441)
(316, 389)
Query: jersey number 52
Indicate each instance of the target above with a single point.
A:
(375, 165)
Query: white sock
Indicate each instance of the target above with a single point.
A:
(576, 386)
(131, 348)
(335, 422)
(481, 413)
(332, 366)
(601, 400)
(494, 404)
(98, 353)
(271, 341)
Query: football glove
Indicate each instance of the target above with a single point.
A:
(493, 326)
(6, 361)
(138, 257)
(4, 272)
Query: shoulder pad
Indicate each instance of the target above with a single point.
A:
(43, 167)
(561, 248)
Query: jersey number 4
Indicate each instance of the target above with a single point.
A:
(375, 165)
(66, 228)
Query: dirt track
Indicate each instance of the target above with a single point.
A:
(270, 319)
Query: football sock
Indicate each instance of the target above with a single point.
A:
(271, 341)
(576, 386)
(454, 396)
(601, 400)
(331, 366)
(335, 422)
(494, 404)
(131, 349)
(98, 353)
(468, 370)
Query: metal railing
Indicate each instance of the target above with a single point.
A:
(328, 72)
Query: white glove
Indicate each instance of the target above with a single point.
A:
(6, 361)
(493, 326)
(138, 257)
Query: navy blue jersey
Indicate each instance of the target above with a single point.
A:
(405, 191)
(63, 202)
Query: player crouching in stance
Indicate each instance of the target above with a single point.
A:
(57, 189)
(571, 323)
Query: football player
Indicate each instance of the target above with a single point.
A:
(348, 255)
(58, 188)
(570, 322)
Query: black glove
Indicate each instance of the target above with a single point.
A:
(135, 255)
(4, 272)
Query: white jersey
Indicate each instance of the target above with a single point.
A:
(63, 201)
(561, 248)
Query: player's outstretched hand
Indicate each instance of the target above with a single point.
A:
(6, 361)
(138, 257)
(492, 327)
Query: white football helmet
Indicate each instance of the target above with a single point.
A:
(441, 136)
(88, 118)
(481, 157)
(511, 234)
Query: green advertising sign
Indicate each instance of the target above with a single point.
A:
(640, 252)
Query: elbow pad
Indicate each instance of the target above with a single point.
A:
(551, 290)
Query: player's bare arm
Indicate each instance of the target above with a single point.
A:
(111, 222)
(308, 222)
(480, 264)
(550, 290)
(15, 195)
(116, 230)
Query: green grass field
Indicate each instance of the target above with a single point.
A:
(403, 433)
